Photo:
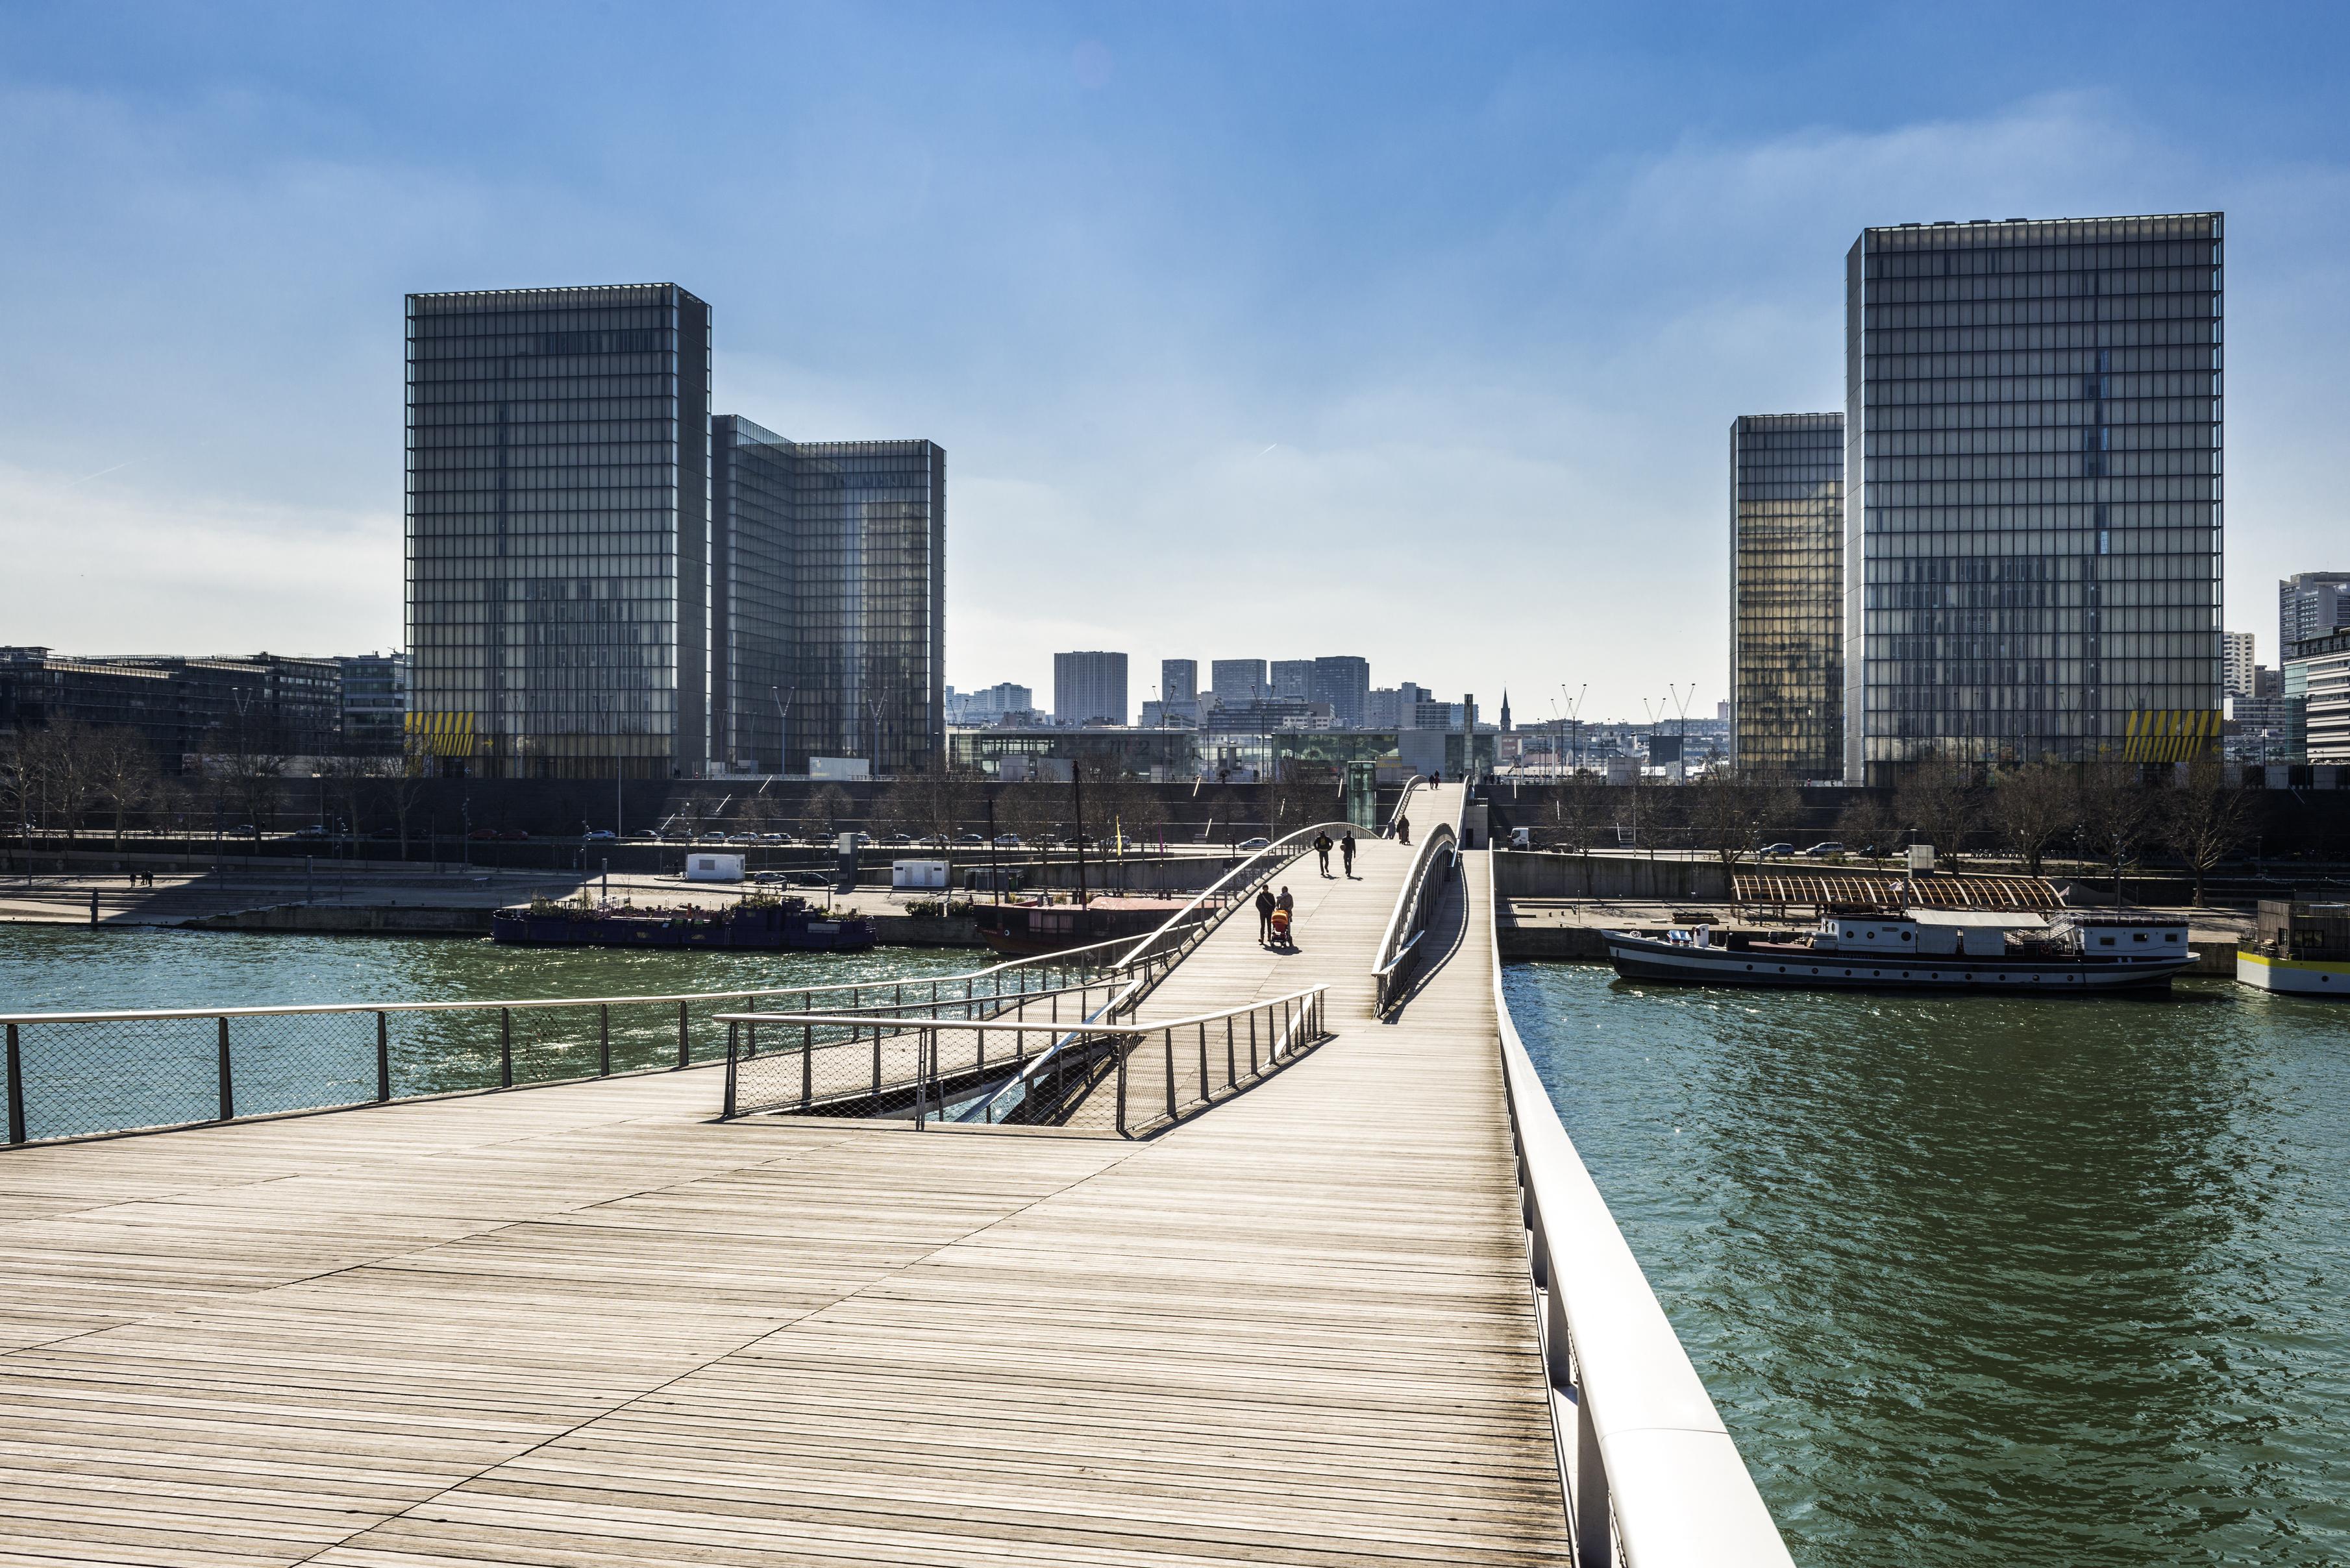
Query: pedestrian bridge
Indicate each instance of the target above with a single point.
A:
(1160, 1290)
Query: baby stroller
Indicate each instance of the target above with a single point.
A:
(1281, 928)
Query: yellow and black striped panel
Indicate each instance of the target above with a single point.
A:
(2169, 734)
(441, 734)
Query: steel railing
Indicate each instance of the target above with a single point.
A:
(83, 1074)
(984, 1070)
(1652, 1475)
(1401, 950)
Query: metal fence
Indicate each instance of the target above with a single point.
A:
(1082, 1071)
(76, 1075)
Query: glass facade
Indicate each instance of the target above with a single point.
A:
(558, 531)
(868, 603)
(2033, 533)
(1344, 681)
(1786, 594)
(753, 680)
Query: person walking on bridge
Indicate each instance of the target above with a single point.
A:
(1265, 916)
(1321, 847)
(1403, 830)
(1346, 853)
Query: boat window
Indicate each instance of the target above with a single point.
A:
(2138, 937)
(1906, 935)
(2104, 941)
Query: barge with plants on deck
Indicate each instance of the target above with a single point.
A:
(757, 924)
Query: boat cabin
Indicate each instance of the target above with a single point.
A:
(2118, 935)
(1940, 933)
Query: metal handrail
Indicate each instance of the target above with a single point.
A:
(1303, 1015)
(1403, 800)
(1650, 1471)
(1216, 889)
(1411, 910)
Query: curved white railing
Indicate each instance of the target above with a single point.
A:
(1402, 800)
(1436, 863)
(1650, 1470)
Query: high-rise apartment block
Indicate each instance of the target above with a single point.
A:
(2236, 665)
(557, 530)
(2033, 531)
(1344, 682)
(1238, 679)
(827, 600)
(603, 579)
(1786, 594)
(2311, 605)
(1089, 688)
(1293, 678)
(1178, 680)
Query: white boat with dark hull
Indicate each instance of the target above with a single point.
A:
(1919, 950)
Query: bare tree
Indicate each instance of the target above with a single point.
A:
(2206, 820)
(1728, 813)
(1868, 823)
(825, 811)
(1942, 799)
(2118, 812)
(1029, 811)
(406, 782)
(2036, 807)
(122, 776)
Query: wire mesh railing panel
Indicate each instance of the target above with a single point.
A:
(441, 1052)
(79, 1078)
(301, 1061)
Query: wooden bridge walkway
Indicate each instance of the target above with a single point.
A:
(589, 1324)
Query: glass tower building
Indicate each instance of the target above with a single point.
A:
(1786, 594)
(1089, 688)
(2033, 533)
(827, 600)
(558, 531)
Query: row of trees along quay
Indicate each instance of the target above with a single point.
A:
(2108, 814)
(68, 776)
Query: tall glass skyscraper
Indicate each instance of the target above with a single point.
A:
(2033, 535)
(827, 600)
(558, 531)
(1786, 594)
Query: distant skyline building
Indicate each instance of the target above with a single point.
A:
(1293, 678)
(372, 695)
(989, 705)
(2033, 509)
(1238, 679)
(2311, 605)
(827, 600)
(2236, 665)
(1786, 594)
(2316, 700)
(1178, 680)
(1344, 681)
(557, 522)
(1089, 688)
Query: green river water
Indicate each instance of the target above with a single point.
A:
(1972, 1280)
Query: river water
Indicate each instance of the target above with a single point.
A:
(1978, 1279)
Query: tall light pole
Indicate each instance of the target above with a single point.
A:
(784, 727)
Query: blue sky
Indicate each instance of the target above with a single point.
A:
(1250, 329)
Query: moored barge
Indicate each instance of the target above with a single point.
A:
(1919, 950)
(778, 925)
(2298, 947)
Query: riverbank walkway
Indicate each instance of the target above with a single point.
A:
(589, 1323)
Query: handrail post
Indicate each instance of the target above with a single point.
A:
(1168, 1038)
(505, 1047)
(227, 1089)
(16, 1089)
(728, 1112)
(925, 1046)
(1120, 1055)
(382, 1059)
(807, 1065)
(1231, 1057)
(1204, 1082)
(1252, 1017)
(604, 1040)
(682, 1058)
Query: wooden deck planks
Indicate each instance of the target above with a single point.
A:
(585, 1324)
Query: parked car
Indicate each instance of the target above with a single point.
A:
(480, 835)
(514, 836)
(1824, 850)
(863, 839)
(1258, 842)
(597, 834)
(315, 830)
(775, 838)
(244, 830)
(742, 838)
(901, 838)
(712, 837)
(1007, 841)
(1774, 851)
(970, 839)
(382, 832)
